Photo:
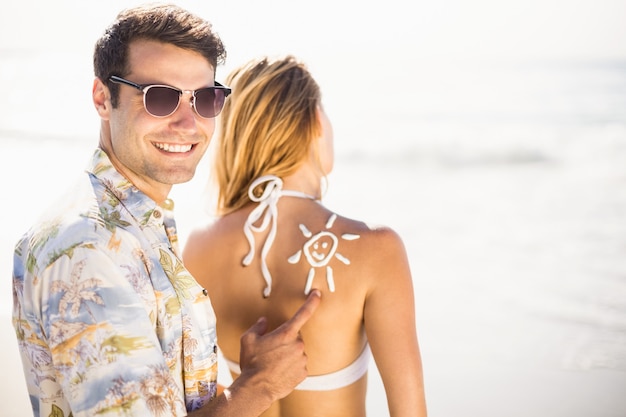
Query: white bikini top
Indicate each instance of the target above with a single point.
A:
(327, 382)
(318, 250)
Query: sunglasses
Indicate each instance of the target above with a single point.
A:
(163, 100)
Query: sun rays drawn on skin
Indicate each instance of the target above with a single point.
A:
(318, 250)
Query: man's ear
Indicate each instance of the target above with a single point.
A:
(101, 96)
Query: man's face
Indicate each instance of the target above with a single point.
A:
(155, 153)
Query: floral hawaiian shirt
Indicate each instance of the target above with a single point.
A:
(108, 320)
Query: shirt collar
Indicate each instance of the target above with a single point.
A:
(118, 189)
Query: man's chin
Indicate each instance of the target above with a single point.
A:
(179, 177)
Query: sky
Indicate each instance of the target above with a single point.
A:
(444, 29)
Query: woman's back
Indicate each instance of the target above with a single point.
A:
(310, 241)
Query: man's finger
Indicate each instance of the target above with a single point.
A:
(304, 313)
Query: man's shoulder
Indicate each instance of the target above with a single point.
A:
(76, 220)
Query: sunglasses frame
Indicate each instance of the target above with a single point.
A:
(144, 88)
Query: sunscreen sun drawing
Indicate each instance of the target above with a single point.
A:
(319, 250)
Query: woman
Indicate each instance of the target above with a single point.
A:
(274, 241)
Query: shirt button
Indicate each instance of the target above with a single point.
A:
(156, 214)
(168, 204)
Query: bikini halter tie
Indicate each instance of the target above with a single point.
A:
(266, 210)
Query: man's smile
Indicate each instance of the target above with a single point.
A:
(174, 148)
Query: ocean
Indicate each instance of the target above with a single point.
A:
(504, 174)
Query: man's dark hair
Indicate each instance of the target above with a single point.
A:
(165, 23)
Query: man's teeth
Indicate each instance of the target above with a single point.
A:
(168, 147)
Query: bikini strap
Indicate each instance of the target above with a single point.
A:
(326, 382)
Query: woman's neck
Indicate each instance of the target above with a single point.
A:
(304, 181)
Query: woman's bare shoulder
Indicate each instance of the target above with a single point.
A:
(371, 233)
(373, 243)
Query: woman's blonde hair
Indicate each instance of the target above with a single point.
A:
(266, 127)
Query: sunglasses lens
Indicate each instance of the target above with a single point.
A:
(161, 101)
(209, 102)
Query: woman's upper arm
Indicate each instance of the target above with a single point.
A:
(390, 324)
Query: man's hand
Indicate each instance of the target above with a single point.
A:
(277, 359)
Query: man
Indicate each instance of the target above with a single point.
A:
(109, 321)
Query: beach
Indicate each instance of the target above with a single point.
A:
(504, 175)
